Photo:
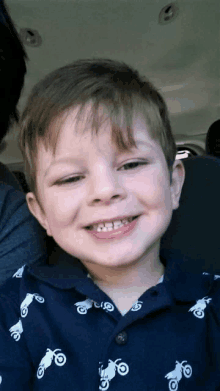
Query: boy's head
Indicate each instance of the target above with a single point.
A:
(113, 84)
(80, 134)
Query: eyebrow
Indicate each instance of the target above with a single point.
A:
(142, 142)
(75, 159)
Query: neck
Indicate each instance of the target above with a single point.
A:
(126, 287)
(137, 277)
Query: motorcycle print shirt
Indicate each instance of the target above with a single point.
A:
(59, 331)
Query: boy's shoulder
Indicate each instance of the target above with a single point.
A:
(15, 292)
(186, 282)
(65, 274)
(15, 287)
(10, 300)
(191, 286)
(11, 287)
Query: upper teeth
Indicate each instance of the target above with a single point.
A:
(113, 224)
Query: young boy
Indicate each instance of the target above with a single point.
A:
(100, 163)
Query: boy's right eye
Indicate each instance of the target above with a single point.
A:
(68, 180)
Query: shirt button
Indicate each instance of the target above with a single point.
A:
(121, 338)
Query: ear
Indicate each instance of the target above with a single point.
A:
(178, 177)
(36, 210)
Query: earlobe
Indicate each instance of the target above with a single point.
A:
(37, 211)
(178, 177)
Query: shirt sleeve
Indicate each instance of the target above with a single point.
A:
(16, 371)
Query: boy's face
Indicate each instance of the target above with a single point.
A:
(105, 186)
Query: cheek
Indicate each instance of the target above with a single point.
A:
(156, 195)
(61, 208)
(155, 188)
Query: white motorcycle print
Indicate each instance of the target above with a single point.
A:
(137, 305)
(60, 360)
(176, 375)
(27, 301)
(216, 276)
(19, 272)
(16, 331)
(105, 305)
(84, 306)
(109, 373)
(198, 308)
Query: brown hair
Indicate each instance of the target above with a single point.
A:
(101, 82)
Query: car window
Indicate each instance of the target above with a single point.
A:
(184, 153)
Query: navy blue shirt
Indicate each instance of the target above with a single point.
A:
(60, 331)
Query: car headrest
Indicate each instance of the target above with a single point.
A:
(194, 232)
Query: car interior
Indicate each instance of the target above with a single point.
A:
(176, 46)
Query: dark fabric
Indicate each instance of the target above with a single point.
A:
(12, 70)
(22, 180)
(59, 331)
(194, 229)
(8, 178)
(22, 240)
(213, 139)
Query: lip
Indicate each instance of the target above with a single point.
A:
(109, 220)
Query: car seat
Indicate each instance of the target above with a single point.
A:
(213, 139)
(193, 236)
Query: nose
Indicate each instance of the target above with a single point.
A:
(106, 189)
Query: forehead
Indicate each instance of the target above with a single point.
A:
(83, 126)
(75, 136)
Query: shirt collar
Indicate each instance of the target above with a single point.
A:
(186, 284)
(66, 273)
(69, 273)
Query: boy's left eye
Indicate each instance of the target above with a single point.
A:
(138, 163)
(74, 178)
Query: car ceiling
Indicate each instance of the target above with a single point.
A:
(181, 58)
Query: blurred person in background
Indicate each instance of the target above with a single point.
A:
(12, 73)
(22, 240)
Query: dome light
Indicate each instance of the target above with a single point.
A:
(168, 13)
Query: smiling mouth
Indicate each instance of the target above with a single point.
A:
(91, 227)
